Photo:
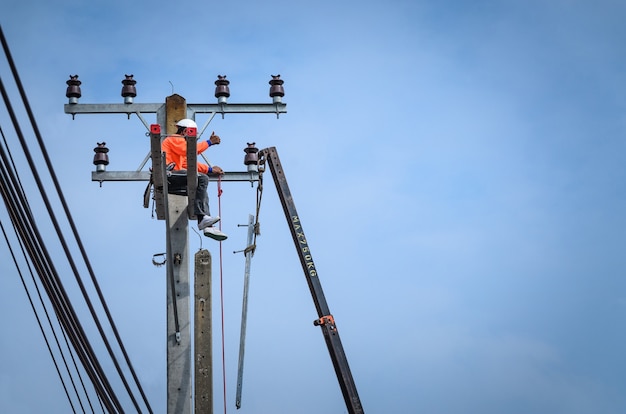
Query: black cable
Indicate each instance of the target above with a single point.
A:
(52, 282)
(13, 209)
(77, 237)
(39, 257)
(45, 337)
(41, 301)
(82, 250)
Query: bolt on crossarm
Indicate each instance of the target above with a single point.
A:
(325, 321)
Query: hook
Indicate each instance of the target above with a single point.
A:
(199, 236)
(157, 264)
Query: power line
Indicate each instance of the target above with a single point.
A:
(22, 219)
(41, 328)
(31, 238)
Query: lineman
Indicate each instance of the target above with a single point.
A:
(175, 148)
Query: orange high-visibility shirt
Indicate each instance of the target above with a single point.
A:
(175, 148)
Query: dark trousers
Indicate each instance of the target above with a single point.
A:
(201, 205)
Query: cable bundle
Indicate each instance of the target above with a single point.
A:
(39, 262)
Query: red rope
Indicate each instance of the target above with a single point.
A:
(219, 203)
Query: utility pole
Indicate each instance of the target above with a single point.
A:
(203, 323)
(177, 210)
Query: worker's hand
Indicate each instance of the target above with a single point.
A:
(214, 139)
(216, 170)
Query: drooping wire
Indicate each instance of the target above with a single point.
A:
(18, 210)
(259, 197)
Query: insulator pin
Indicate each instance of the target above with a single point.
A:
(101, 158)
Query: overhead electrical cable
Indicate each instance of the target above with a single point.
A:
(40, 258)
(41, 328)
(77, 238)
(28, 230)
(41, 301)
(53, 285)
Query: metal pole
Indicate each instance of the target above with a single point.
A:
(179, 384)
(244, 310)
(179, 371)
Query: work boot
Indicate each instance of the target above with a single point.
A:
(207, 221)
(215, 233)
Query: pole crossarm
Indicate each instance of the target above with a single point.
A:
(223, 108)
(234, 176)
(245, 108)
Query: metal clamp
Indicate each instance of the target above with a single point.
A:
(325, 320)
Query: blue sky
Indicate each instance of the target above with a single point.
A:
(458, 168)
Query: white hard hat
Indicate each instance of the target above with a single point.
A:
(186, 123)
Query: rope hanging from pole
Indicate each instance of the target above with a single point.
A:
(259, 197)
(219, 204)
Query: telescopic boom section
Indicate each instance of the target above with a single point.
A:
(325, 319)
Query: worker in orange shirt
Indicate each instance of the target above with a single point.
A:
(175, 148)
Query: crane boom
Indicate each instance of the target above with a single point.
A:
(325, 319)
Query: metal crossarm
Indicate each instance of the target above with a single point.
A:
(146, 108)
(234, 176)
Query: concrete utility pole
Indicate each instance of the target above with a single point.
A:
(203, 325)
(179, 385)
(177, 210)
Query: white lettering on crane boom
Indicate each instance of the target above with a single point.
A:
(304, 248)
